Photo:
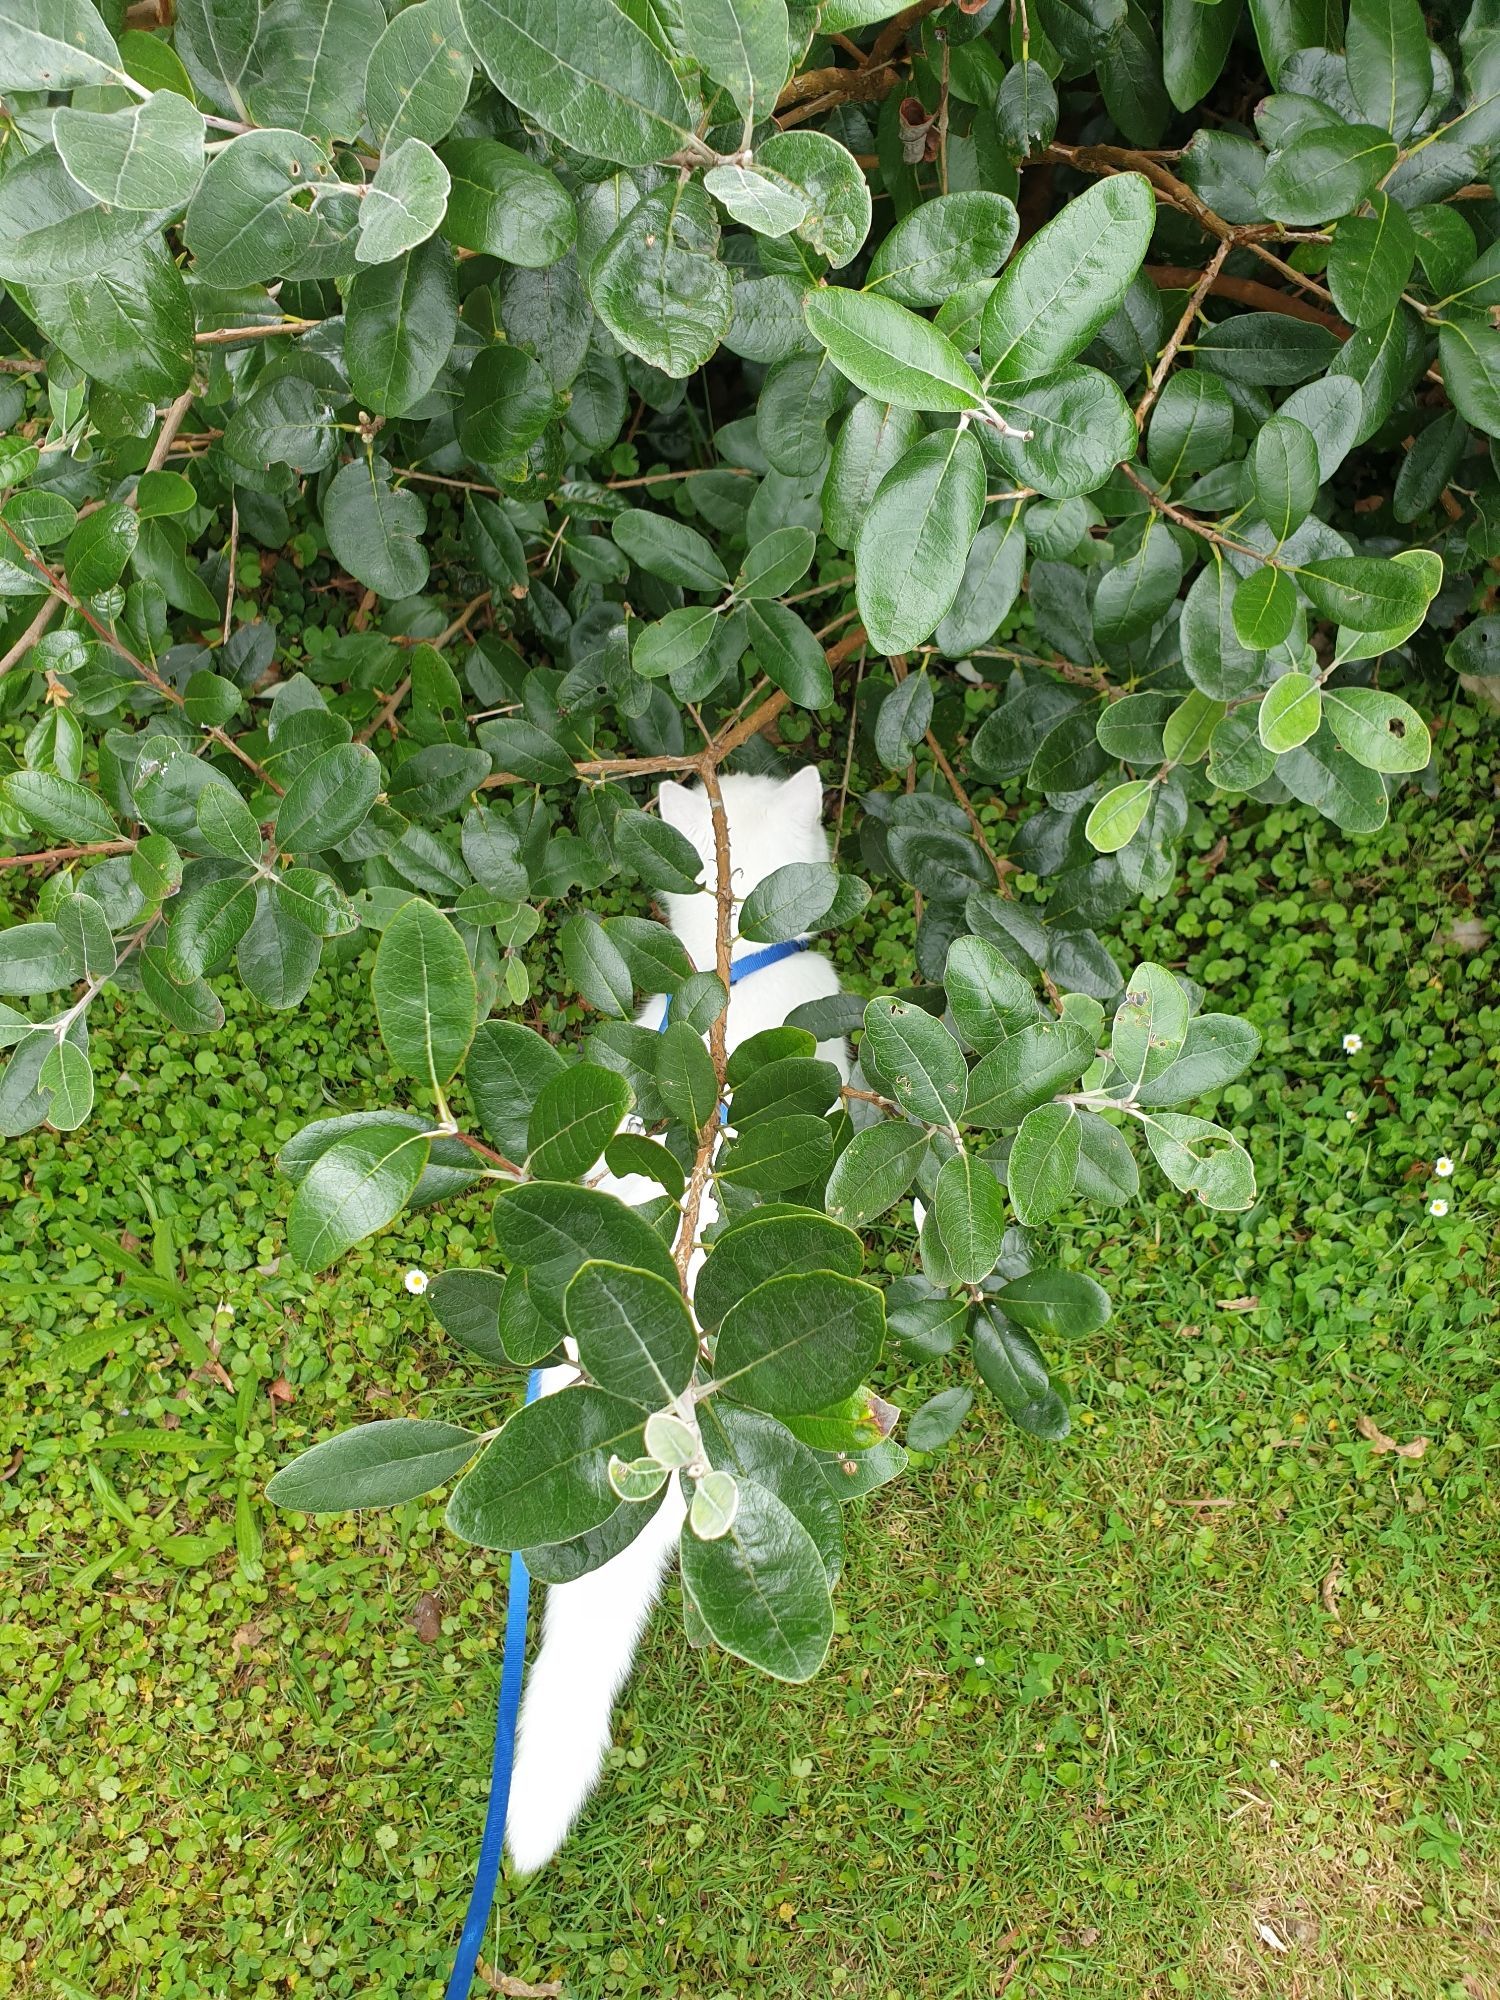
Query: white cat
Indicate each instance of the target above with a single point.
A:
(593, 1625)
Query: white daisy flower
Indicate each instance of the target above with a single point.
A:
(1353, 1044)
(1443, 1167)
(979, 1659)
(416, 1282)
(1437, 1206)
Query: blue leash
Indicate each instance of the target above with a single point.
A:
(513, 1661)
(502, 1763)
(755, 961)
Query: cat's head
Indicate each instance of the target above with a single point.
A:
(771, 821)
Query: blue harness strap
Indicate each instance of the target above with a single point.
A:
(502, 1761)
(755, 961)
(513, 1661)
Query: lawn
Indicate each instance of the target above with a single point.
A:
(1204, 1700)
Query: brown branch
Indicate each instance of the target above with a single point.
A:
(708, 1138)
(1127, 160)
(48, 855)
(147, 673)
(237, 336)
(489, 1153)
(1247, 292)
(1001, 864)
(50, 608)
(1163, 367)
(1190, 521)
(16, 364)
(387, 714)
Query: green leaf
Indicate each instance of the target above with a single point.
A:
(546, 1477)
(1195, 41)
(942, 245)
(54, 45)
(967, 1214)
(665, 859)
(902, 721)
(791, 900)
(59, 806)
(501, 204)
(1284, 474)
(585, 72)
(915, 539)
(920, 1060)
(669, 548)
(403, 204)
(989, 998)
(1390, 62)
(990, 586)
(1063, 1305)
(891, 353)
(1290, 712)
(826, 177)
(127, 323)
(635, 1334)
(1081, 428)
(873, 437)
(769, 1243)
(300, 73)
(1380, 730)
(1367, 592)
(357, 1186)
(1266, 348)
(777, 1154)
(228, 827)
(1370, 262)
(1150, 1024)
(659, 284)
(68, 1075)
(1202, 1159)
(375, 530)
(1264, 608)
(147, 156)
(1185, 737)
(466, 1305)
(1016, 1374)
(328, 800)
(1043, 1163)
(550, 1228)
(930, 1427)
(374, 1465)
(799, 1342)
(1025, 1070)
(1106, 1170)
(1325, 172)
(417, 79)
(743, 44)
(685, 1076)
(1115, 819)
(761, 1589)
(596, 965)
(873, 1172)
(250, 219)
(789, 653)
(639, 1479)
(716, 1502)
(1192, 425)
(576, 1114)
(508, 403)
(399, 323)
(287, 421)
(206, 925)
(1320, 774)
(1067, 280)
(1217, 1048)
(423, 987)
(776, 563)
(768, 207)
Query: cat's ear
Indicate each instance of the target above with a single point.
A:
(677, 805)
(804, 794)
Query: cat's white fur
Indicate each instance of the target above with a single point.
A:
(593, 1625)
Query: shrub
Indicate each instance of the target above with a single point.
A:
(416, 300)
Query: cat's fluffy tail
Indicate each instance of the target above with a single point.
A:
(589, 1636)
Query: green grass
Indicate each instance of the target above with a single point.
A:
(1096, 1712)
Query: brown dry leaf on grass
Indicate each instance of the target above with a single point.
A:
(1377, 1440)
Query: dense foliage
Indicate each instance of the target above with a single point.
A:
(260, 294)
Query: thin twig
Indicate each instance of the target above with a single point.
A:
(388, 713)
(1002, 866)
(1163, 367)
(49, 610)
(47, 856)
